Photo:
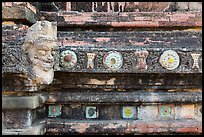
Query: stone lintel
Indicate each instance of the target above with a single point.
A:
(36, 129)
(134, 96)
(21, 102)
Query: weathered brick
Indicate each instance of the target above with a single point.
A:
(188, 130)
(108, 91)
(19, 12)
(184, 112)
(137, 19)
(148, 112)
(124, 127)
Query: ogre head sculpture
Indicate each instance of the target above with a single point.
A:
(39, 45)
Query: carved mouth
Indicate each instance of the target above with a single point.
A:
(48, 65)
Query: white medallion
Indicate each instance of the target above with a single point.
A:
(113, 60)
(68, 59)
(169, 60)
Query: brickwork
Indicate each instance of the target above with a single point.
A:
(116, 68)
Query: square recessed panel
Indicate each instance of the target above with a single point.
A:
(54, 110)
(91, 112)
(165, 111)
(198, 110)
(129, 112)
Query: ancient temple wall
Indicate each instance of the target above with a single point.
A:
(101, 68)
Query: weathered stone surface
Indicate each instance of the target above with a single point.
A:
(22, 102)
(124, 19)
(35, 129)
(189, 6)
(13, 59)
(195, 6)
(185, 111)
(165, 101)
(130, 60)
(131, 39)
(15, 66)
(124, 127)
(126, 42)
(131, 96)
(124, 6)
(121, 81)
(149, 112)
(19, 56)
(18, 119)
(49, 6)
(22, 11)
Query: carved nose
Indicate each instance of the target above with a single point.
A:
(50, 57)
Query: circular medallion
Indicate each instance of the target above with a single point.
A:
(128, 111)
(169, 60)
(113, 60)
(68, 59)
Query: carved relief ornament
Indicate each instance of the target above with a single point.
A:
(38, 46)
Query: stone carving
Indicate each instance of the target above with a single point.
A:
(165, 111)
(90, 62)
(113, 60)
(91, 112)
(169, 60)
(141, 59)
(68, 59)
(129, 112)
(39, 44)
(195, 60)
(54, 110)
(127, 60)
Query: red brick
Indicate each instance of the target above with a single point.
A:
(188, 130)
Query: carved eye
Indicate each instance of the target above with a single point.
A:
(53, 53)
(41, 52)
(43, 24)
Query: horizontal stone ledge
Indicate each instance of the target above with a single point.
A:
(123, 127)
(125, 19)
(21, 102)
(126, 39)
(35, 129)
(143, 97)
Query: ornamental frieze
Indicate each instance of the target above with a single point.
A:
(128, 60)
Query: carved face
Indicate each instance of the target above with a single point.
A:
(39, 43)
(42, 56)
